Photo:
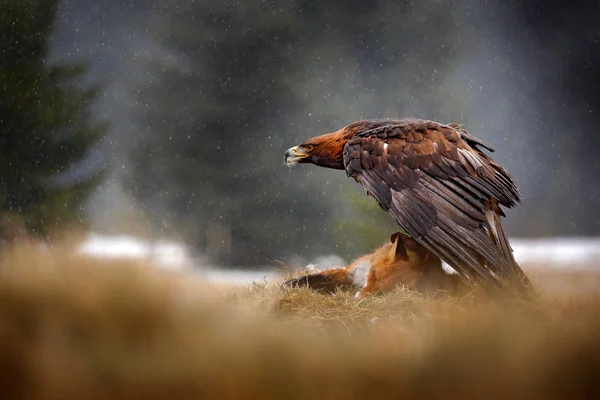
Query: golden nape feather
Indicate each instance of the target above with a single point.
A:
(438, 185)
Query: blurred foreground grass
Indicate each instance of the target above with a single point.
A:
(73, 327)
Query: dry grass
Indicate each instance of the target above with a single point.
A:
(77, 328)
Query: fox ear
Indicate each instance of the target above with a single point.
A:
(397, 249)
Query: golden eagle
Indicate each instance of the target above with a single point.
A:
(438, 184)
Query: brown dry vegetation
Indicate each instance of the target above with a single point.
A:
(72, 327)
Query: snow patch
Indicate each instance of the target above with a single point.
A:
(558, 252)
(163, 253)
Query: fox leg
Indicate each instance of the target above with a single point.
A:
(327, 281)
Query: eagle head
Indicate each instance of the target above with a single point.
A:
(325, 150)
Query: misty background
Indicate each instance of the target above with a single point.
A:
(199, 100)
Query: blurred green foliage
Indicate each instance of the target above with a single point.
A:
(45, 125)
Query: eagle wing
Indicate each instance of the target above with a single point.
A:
(440, 188)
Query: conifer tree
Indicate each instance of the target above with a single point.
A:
(46, 128)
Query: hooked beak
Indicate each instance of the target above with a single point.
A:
(295, 154)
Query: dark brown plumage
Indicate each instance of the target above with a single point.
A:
(436, 182)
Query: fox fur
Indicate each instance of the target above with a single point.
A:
(400, 262)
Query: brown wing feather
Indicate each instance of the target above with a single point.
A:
(438, 186)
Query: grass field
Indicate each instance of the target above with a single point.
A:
(74, 327)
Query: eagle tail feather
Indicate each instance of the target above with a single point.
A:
(498, 236)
